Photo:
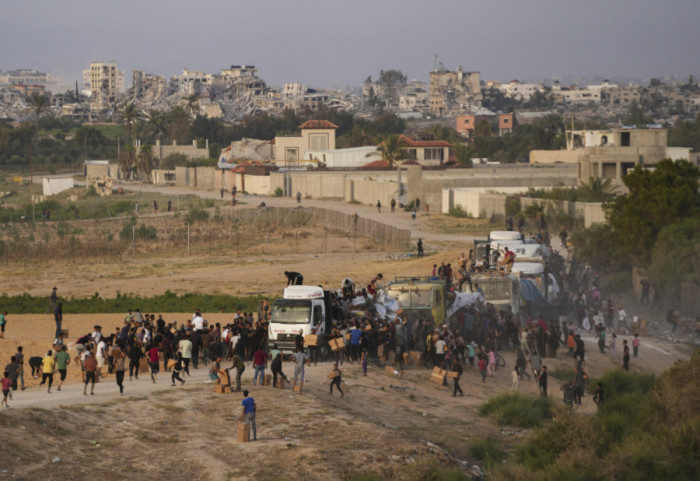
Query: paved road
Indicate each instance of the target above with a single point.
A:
(400, 218)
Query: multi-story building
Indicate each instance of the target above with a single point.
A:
(190, 81)
(237, 71)
(105, 82)
(290, 90)
(26, 76)
(466, 124)
(453, 93)
(517, 90)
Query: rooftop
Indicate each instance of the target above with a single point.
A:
(318, 124)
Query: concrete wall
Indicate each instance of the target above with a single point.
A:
(55, 186)
(200, 177)
(475, 204)
(552, 156)
(343, 158)
(102, 170)
(161, 176)
(191, 151)
(590, 212)
(370, 191)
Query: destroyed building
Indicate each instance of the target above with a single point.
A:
(454, 93)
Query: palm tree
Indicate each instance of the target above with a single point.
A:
(146, 161)
(128, 115)
(390, 149)
(40, 105)
(156, 124)
(192, 105)
(463, 154)
(596, 190)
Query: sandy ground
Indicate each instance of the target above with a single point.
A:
(393, 428)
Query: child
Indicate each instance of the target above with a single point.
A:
(335, 380)
(482, 369)
(635, 344)
(515, 377)
(364, 362)
(6, 383)
(613, 339)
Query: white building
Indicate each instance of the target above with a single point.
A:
(190, 81)
(519, 91)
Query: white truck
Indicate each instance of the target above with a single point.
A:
(301, 308)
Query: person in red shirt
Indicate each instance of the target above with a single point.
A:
(260, 363)
(153, 361)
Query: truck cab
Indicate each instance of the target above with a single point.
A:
(500, 290)
(419, 297)
(301, 308)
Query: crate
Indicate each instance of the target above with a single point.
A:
(438, 375)
(243, 432)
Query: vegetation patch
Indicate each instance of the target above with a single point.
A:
(517, 410)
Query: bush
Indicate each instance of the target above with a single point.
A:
(278, 192)
(617, 282)
(196, 215)
(513, 206)
(517, 410)
(458, 211)
(487, 450)
(146, 232)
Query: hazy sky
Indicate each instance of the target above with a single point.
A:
(329, 42)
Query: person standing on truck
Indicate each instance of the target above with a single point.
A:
(294, 278)
(300, 359)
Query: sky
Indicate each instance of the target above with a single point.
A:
(334, 43)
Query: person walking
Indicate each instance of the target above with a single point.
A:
(298, 197)
(48, 365)
(153, 358)
(53, 301)
(6, 385)
(543, 381)
(459, 370)
(19, 359)
(335, 380)
(58, 318)
(393, 205)
(250, 408)
(90, 364)
(635, 345)
(420, 248)
(300, 359)
(413, 214)
(515, 377)
(3, 321)
(379, 207)
(259, 363)
(177, 369)
(240, 367)
(625, 356)
(119, 366)
(62, 361)
(185, 348)
(276, 366)
(598, 396)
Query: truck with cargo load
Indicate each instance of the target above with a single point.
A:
(301, 309)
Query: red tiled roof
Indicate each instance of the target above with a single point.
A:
(377, 164)
(318, 124)
(410, 162)
(409, 142)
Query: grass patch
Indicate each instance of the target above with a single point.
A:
(517, 410)
(487, 450)
(562, 373)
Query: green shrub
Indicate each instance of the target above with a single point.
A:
(487, 450)
(517, 410)
(409, 207)
(436, 473)
(278, 192)
(513, 206)
(458, 211)
(146, 232)
(196, 215)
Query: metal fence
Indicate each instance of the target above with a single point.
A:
(387, 237)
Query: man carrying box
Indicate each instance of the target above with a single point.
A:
(248, 404)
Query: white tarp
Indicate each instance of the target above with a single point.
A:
(57, 185)
(464, 299)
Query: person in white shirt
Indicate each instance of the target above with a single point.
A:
(185, 348)
(198, 322)
(100, 355)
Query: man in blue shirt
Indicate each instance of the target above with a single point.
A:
(249, 404)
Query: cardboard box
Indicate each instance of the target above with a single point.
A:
(337, 344)
(413, 358)
(330, 375)
(311, 340)
(268, 380)
(438, 375)
(452, 374)
(143, 365)
(243, 432)
(390, 370)
(281, 383)
(241, 418)
(297, 388)
(171, 363)
(222, 389)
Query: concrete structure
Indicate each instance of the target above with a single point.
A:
(190, 81)
(162, 177)
(427, 152)
(200, 177)
(105, 81)
(247, 149)
(237, 71)
(193, 151)
(465, 124)
(475, 202)
(453, 93)
(101, 168)
(519, 91)
(610, 154)
(56, 185)
(354, 157)
(26, 76)
(315, 135)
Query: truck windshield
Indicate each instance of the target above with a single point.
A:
(412, 298)
(494, 288)
(291, 312)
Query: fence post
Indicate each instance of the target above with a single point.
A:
(188, 239)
